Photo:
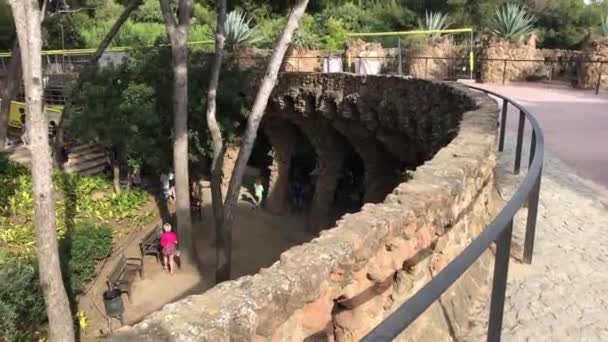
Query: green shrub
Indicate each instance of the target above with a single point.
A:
(604, 26)
(22, 307)
(21, 302)
(82, 248)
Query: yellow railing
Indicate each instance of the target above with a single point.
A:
(90, 51)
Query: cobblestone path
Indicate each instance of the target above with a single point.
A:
(563, 295)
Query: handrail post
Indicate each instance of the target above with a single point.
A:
(532, 148)
(503, 124)
(531, 220)
(599, 79)
(499, 283)
(520, 139)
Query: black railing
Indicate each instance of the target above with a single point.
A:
(499, 231)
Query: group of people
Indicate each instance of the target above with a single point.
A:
(167, 193)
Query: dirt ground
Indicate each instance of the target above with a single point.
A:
(258, 240)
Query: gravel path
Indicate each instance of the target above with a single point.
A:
(563, 295)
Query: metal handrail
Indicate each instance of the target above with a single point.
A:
(499, 231)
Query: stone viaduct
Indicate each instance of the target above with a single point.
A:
(344, 282)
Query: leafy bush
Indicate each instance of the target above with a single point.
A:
(22, 306)
(21, 302)
(604, 26)
(337, 34)
(82, 248)
(512, 22)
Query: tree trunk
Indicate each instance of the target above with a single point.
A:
(26, 14)
(217, 199)
(9, 91)
(177, 31)
(253, 123)
(116, 170)
(131, 6)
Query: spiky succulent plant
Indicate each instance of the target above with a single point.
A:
(435, 21)
(239, 31)
(512, 22)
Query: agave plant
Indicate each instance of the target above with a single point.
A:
(605, 26)
(512, 22)
(435, 21)
(239, 31)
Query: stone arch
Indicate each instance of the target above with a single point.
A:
(381, 168)
(329, 147)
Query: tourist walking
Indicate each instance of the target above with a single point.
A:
(258, 192)
(168, 242)
(24, 136)
(167, 191)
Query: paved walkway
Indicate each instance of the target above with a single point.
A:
(563, 295)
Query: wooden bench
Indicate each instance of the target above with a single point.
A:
(123, 275)
(150, 244)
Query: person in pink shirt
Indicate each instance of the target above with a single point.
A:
(168, 242)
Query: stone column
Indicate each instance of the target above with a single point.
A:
(380, 166)
(329, 147)
(281, 135)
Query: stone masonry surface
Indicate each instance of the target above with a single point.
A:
(343, 283)
(562, 296)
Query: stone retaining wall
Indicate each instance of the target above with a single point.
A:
(343, 283)
(589, 73)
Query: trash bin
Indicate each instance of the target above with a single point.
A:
(112, 300)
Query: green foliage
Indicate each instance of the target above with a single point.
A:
(307, 34)
(62, 32)
(82, 248)
(604, 26)
(512, 22)
(337, 34)
(22, 306)
(21, 301)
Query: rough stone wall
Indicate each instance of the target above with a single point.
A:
(341, 284)
(495, 71)
(437, 69)
(302, 60)
(566, 65)
(588, 73)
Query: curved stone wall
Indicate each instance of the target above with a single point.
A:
(340, 285)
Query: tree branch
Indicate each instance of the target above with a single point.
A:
(131, 6)
(260, 103)
(165, 8)
(184, 11)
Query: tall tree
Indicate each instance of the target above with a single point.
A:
(177, 30)
(224, 215)
(217, 143)
(27, 20)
